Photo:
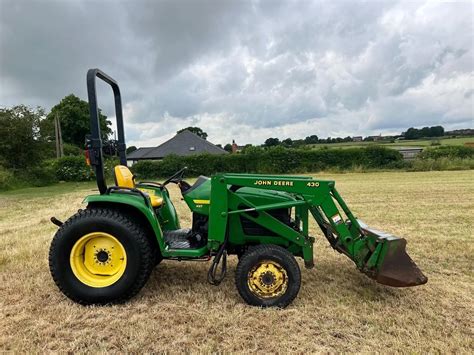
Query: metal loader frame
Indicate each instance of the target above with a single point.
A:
(372, 251)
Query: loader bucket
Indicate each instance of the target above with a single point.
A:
(394, 266)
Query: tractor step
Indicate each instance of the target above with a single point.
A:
(183, 239)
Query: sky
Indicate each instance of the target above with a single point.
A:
(247, 70)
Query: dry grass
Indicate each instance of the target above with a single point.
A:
(338, 309)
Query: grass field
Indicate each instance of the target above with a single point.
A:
(401, 143)
(338, 308)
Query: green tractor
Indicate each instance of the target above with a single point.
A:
(105, 253)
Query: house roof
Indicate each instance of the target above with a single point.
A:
(184, 143)
(138, 154)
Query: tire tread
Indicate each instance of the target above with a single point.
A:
(140, 237)
(270, 250)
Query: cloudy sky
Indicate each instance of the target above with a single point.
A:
(247, 70)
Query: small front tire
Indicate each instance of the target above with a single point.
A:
(268, 276)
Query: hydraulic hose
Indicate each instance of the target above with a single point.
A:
(212, 277)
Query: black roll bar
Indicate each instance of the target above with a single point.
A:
(94, 141)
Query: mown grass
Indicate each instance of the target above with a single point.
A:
(52, 190)
(338, 308)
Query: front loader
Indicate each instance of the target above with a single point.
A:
(106, 252)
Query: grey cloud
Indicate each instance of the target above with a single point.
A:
(47, 46)
(270, 66)
(179, 32)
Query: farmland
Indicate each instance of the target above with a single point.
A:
(447, 141)
(338, 308)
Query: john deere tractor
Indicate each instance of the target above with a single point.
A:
(106, 252)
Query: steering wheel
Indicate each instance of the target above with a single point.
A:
(175, 178)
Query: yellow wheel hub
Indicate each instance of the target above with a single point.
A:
(98, 259)
(268, 279)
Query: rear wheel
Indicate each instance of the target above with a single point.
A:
(100, 256)
(268, 276)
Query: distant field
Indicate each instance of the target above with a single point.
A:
(401, 143)
(338, 308)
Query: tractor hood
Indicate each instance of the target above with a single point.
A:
(198, 196)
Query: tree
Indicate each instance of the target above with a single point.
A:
(196, 130)
(22, 144)
(271, 142)
(228, 147)
(298, 143)
(287, 142)
(130, 149)
(313, 139)
(74, 117)
(436, 131)
(110, 147)
(425, 132)
(412, 133)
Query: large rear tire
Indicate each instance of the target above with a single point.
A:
(268, 276)
(100, 256)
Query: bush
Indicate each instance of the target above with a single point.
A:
(146, 169)
(109, 166)
(440, 164)
(72, 150)
(378, 157)
(6, 179)
(41, 175)
(72, 169)
(460, 152)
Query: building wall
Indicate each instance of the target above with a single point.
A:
(409, 154)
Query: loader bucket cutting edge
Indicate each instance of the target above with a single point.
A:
(396, 268)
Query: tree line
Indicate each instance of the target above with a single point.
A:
(411, 133)
(28, 135)
(28, 148)
(425, 132)
(313, 139)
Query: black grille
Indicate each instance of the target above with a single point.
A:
(252, 228)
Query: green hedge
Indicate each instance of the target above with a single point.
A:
(452, 152)
(72, 169)
(272, 161)
(441, 164)
(276, 160)
(6, 178)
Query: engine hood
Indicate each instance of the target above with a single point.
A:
(198, 196)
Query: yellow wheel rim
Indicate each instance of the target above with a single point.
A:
(268, 279)
(98, 259)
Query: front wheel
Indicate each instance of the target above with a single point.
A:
(268, 276)
(100, 256)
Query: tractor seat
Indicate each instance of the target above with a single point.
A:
(124, 178)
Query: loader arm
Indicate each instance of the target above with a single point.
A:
(379, 255)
